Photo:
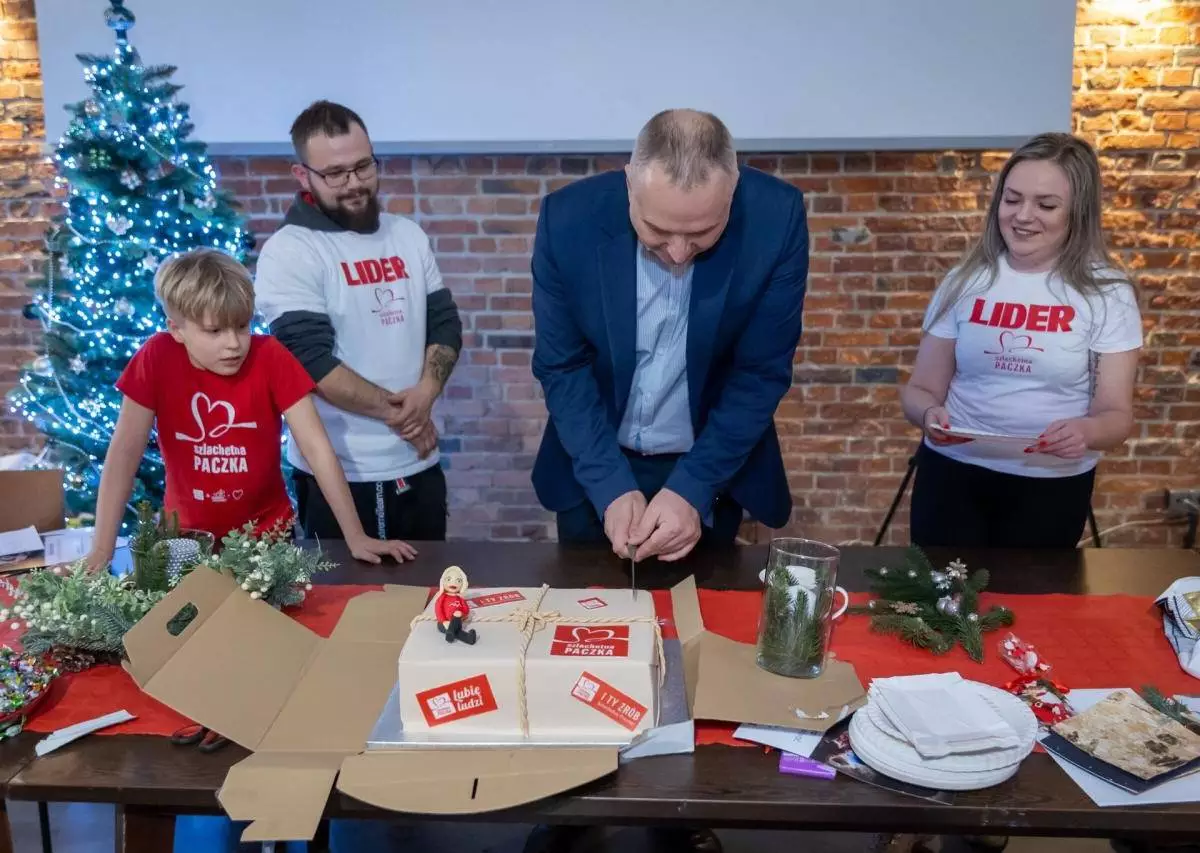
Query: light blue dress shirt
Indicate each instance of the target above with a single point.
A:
(658, 418)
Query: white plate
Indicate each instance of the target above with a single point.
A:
(873, 749)
(991, 437)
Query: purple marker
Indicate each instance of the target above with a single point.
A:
(798, 765)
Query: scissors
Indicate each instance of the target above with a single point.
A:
(633, 570)
(208, 740)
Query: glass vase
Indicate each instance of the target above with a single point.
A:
(797, 613)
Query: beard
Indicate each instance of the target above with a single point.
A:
(364, 221)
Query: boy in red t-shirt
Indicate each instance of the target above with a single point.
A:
(218, 396)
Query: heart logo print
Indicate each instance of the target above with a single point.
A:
(592, 635)
(237, 494)
(203, 409)
(1014, 343)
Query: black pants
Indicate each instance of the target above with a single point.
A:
(386, 511)
(581, 525)
(956, 504)
(454, 631)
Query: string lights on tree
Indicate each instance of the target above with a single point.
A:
(137, 190)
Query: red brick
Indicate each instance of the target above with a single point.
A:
(447, 186)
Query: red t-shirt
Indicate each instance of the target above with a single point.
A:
(220, 436)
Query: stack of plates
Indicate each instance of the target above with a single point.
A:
(882, 747)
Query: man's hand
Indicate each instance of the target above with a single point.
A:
(426, 441)
(620, 518)
(670, 528)
(371, 550)
(411, 408)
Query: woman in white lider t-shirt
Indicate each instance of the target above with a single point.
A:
(1033, 335)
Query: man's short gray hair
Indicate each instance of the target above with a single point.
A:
(688, 145)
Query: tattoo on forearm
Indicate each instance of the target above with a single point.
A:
(439, 362)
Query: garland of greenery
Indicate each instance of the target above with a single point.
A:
(931, 609)
(68, 609)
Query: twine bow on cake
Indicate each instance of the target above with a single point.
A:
(529, 620)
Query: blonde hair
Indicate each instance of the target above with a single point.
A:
(451, 573)
(1084, 262)
(206, 286)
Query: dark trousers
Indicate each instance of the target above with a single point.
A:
(959, 505)
(581, 525)
(387, 510)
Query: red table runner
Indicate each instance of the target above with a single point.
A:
(1091, 641)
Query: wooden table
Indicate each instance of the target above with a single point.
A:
(151, 781)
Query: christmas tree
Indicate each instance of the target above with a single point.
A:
(137, 191)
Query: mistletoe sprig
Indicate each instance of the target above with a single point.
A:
(930, 608)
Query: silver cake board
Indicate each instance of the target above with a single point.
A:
(673, 734)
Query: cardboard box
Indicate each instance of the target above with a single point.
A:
(31, 498)
(305, 706)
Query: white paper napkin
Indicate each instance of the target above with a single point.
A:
(941, 714)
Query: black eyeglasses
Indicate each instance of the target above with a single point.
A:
(340, 177)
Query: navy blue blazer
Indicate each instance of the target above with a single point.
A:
(743, 328)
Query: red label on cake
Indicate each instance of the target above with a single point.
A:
(592, 603)
(457, 700)
(600, 641)
(609, 701)
(497, 598)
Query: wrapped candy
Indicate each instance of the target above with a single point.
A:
(1044, 696)
(1021, 656)
(24, 679)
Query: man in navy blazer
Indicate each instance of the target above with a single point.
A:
(667, 306)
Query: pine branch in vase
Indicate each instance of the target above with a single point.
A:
(792, 639)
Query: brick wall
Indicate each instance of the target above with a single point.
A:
(885, 226)
(25, 200)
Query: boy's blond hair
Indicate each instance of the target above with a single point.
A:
(206, 286)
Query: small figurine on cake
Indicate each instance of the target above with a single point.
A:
(451, 608)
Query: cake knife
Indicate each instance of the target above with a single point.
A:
(633, 569)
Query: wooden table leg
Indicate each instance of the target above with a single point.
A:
(6, 845)
(146, 830)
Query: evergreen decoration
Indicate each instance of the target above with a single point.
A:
(137, 190)
(932, 609)
(1173, 708)
(67, 610)
(791, 640)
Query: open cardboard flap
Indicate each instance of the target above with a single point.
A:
(305, 707)
(725, 682)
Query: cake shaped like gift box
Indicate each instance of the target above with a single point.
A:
(530, 662)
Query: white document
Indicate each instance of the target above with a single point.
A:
(23, 541)
(787, 740)
(1183, 790)
(62, 737)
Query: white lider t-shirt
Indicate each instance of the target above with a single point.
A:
(373, 289)
(1025, 352)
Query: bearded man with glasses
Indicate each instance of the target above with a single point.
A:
(357, 297)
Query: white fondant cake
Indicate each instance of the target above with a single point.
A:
(591, 668)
